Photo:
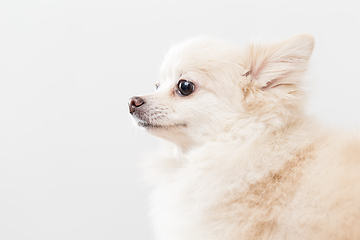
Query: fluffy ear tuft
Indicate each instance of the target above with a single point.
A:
(278, 67)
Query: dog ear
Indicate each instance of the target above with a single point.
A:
(278, 67)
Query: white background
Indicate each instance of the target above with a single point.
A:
(68, 147)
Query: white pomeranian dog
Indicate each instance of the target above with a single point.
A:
(242, 159)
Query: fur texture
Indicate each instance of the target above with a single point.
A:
(242, 160)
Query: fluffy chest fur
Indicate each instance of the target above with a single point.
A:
(231, 198)
(301, 192)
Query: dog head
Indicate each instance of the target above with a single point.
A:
(208, 88)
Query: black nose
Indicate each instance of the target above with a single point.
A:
(135, 102)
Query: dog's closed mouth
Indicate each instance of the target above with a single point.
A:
(149, 125)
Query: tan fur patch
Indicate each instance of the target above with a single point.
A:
(272, 193)
(262, 204)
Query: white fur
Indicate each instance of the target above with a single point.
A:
(242, 160)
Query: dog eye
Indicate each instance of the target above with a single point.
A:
(185, 87)
(157, 86)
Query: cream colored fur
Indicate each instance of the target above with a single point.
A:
(242, 159)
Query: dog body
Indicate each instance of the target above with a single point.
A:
(242, 159)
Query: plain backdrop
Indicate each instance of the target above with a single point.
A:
(68, 148)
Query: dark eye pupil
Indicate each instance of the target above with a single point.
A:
(186, 87)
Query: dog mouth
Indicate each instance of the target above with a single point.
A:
(143, 119)
(151, 125)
